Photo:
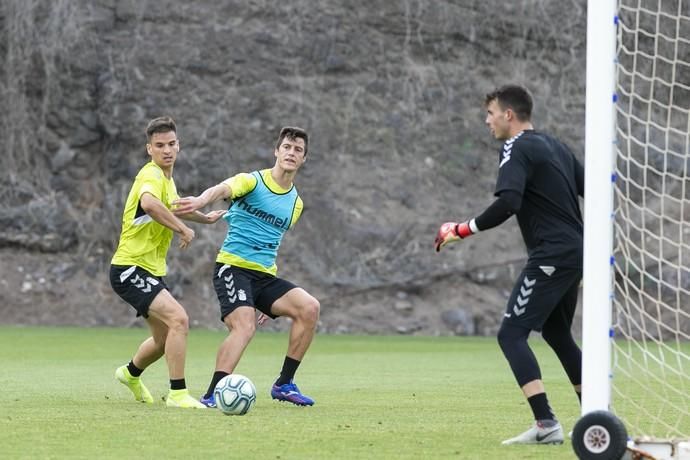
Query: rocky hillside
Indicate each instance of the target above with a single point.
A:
(390, 92)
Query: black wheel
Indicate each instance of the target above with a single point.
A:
(599, 435)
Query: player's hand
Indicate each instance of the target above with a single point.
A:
(186, 237)
(215, 216)
(262, 319)
(451, 232)
(187, 205)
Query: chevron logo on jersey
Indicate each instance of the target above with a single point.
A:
(508, 149)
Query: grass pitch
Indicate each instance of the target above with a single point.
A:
(376, 398)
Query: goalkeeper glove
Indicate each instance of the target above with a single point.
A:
(450, 232)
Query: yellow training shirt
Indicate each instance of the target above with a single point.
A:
(143, 241)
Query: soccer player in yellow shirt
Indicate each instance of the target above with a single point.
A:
(139, 265)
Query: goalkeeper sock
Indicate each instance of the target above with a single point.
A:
(217, 375)
(134, 371)
(540, 407)
(288, 372)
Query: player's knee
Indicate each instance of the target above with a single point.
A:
(503, 341)
(311, 309)
(247, 328)
(509, 336)
(179, 322)
(243, 325)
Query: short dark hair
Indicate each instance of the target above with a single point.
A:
(512, 97)
(292, 133)
(160, 125)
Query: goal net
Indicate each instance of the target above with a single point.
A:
(650, 389)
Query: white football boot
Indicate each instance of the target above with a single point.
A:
(539, 434)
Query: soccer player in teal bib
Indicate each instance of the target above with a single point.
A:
(265, 204)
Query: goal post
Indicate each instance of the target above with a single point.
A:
(598, 223)
(636, 273)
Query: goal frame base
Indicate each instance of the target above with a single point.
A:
(647, 448)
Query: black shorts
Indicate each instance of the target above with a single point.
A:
(136, 286)
(239, 287)
(541, 291)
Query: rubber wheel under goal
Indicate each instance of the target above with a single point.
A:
(599, 435)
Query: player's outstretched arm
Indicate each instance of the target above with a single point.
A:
(199, 217)
(189, 204)
(158, 212)
(507, 204)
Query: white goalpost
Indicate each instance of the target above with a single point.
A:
(636, 279)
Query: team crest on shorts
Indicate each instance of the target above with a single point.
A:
(241, 294)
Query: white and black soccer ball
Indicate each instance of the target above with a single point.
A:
(235, 394)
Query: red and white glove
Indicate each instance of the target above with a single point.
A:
(451, 232)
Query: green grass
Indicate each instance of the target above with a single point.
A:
(376, 397)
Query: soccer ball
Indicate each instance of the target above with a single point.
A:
(235, 394)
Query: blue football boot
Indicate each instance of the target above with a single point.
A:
(290, 393)
(209, 402)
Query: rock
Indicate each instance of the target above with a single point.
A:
(403, 306)
(459, 321)
(62, 157)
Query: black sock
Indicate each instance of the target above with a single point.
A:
(579, 396)
(288, 372)
(540, 407)
(134, 371)
(217, 375)
(177, 384)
